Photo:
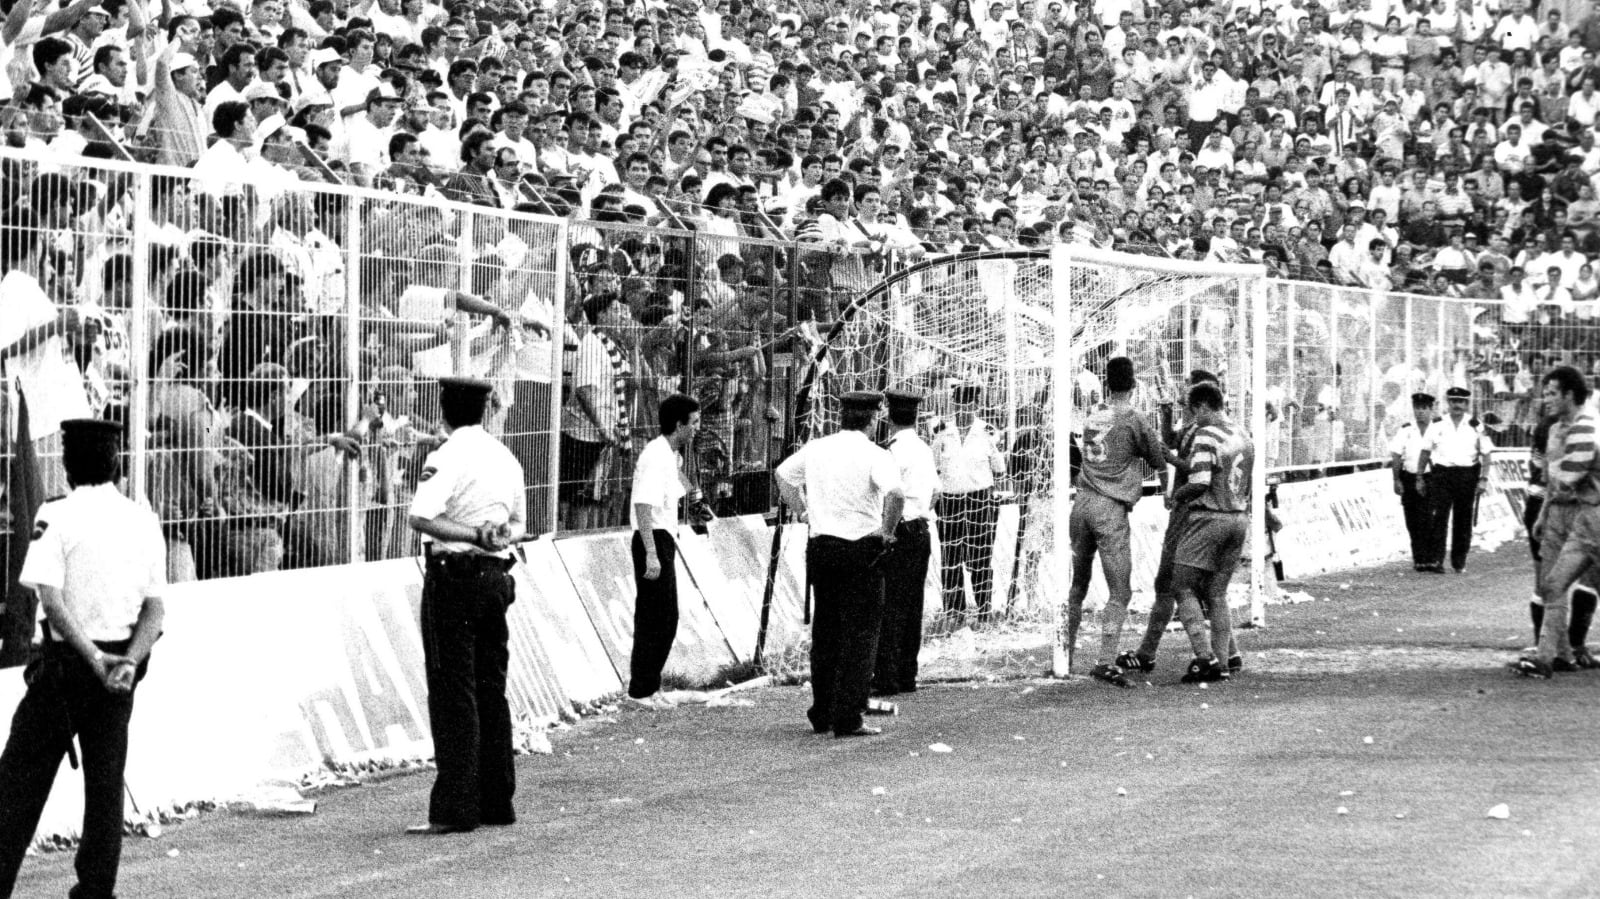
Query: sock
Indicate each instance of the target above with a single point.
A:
(1583, 607)
(1111, 618)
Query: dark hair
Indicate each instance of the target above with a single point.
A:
(1206, 394)
(462, 408)
(1568, 380)
(88, 462)
(227, 117)
(1119, 374)
(1198, 375)
(856, 419)
(675, 410)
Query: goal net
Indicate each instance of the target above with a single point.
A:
(1023, 337)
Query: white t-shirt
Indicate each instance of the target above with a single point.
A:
(657, 484)
(48, 380)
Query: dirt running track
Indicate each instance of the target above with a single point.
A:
(1230, 791)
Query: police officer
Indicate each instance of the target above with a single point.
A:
(1120, 449)
(468, 508)
(99, 563)
(659, 482)
(1453, 472)
(968, 456)
(1405, 454)
(850, 491)
(906, 568)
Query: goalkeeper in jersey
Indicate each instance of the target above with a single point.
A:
(1214, 530)
(1120, 449)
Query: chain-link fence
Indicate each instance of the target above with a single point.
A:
(274, 348)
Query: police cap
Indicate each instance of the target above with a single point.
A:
(963, 394)
(903, 398)
(87, 435)
(1458, 393)
(863, 400)
(1422, 399)
(465, 389)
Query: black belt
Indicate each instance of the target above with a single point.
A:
(467, 564)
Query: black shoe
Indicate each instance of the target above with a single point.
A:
(1584, 659)
(437, 830)
(1433, 569)
(1110, 674)
(863, 730)
(1204, 671)
(500, 822)
(908, 687)
(1459, 569)
(1235, 664)
(1528, 666)
(1132, 661)
(1562, 665)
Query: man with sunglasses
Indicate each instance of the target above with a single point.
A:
(1452, 473)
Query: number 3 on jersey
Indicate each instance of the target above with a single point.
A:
(1094, 445)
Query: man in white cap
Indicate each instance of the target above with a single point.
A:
(367, 136)
(174, 111)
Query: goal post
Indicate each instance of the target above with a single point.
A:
(1170, 316)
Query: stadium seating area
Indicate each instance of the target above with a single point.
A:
(731, 173)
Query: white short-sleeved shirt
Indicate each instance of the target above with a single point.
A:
(967, 464)
(1453, 445)
(844, 477)
(918, 475)
(104, 552)
(657, 484)
(472, 480)
(594, 369)
(48, 380)
(1407, 443)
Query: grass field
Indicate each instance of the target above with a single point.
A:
(1053, 788)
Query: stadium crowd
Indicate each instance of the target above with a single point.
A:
(1443, 147)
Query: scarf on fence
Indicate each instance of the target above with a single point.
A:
(620, 370)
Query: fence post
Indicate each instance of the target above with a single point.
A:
(352, 365)
(1373, 382)
(558, 339)
(1290, 394)
(140, 340)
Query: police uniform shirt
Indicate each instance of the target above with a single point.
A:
(844, 477)
(472, 480)
(657, 484)
(1454, 445)
(1408, 443)
(966, 465)
(918, 475)
(104, 552)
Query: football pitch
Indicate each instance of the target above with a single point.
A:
(1356, 756)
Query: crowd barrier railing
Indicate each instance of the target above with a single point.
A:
(273, 346)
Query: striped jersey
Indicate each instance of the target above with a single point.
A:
(1222, 460)
(1572, 468)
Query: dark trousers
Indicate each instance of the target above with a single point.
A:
(655, 615)
(967, 523)
(464, 639)
(1452, 491)
(1418, 516)
(64, 700)
(848, 591)
(905, 575)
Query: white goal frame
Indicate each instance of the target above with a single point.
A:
(1252, 308)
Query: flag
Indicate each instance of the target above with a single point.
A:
(23, 499)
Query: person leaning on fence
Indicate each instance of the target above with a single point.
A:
(1454, 472)
(1405, 454)
(468, 508)
(594, 425)
(99, 563)
(850, 492)
(1568, 527)
(660, 480)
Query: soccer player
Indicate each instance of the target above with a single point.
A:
(1584, 598)
(1180, 447)
(1119, 451)
(1214, 531)
(1568, 526)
